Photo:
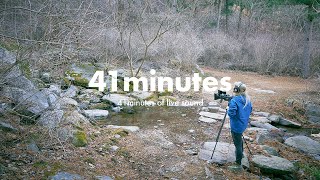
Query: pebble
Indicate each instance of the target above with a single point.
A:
(117, 136)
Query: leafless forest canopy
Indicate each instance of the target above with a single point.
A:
(253, 35)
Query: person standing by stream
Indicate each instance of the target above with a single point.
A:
(239, 110)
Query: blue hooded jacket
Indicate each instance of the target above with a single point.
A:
(239, 115)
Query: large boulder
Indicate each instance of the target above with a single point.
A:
(7, 59)
(224, 152)
(207, 120)
(33, 101)
(289, 123)
(51, 119)
(313, 113)
(262, 125)
(273, 164)
(305, 144)
(211, 115)
(15, 78)
(117, 99)
(96, 113)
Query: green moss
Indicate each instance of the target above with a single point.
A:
(66, 81)
(79, 81)
(25, 68)
(54, 168)
(10, 45)
(40, 164)
(120, 84)
(165, 93)
(80, 139)
(313, 171)
(121, 132)
(153, 97)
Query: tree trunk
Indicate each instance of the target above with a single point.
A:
(219, 14)
(306, 49)
(239, 22)
(227, 13)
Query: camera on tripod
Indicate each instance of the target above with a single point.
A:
(222, 95)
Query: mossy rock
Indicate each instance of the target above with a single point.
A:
(80, 139)
(121, 132)
(102, 106)
(40, 164)
(79, 81)
(165, 93)
(10, 45)
(153, 97)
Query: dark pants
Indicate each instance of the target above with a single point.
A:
(238, 143)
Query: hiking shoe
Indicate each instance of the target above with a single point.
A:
(235, 168)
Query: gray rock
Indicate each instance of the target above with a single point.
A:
(128, 128)
(51, 119)
(262, 125)
(274, 118)
(4, 107)
(224, 152)
(114, 148)
(117, 136)
(54, 88)
(116, 109)
(273, 135)
(66, 176)
(313, 113)
(213, 104)
(7, 127)
(314, 119)
(33, 101)
(260, 119)
(273, 164)
(206, 109)
(33, 147)
(103, 178)
(313, 109)
(66, 102)
(71, 92)
(207, 120)
(46, 77)
(269, 150)
(86, 70)
(75, 118)
(213, 109)
(211, 115)
(263, 114)
(7, 59)
(96, 113)
(117, 99)
(191, 152)
(304, 144)
(64, 133)
(142, 95)
(289, 123)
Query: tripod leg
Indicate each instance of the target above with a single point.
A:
(247, 145)
(224, 118)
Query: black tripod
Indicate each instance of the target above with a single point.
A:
(224, 119)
